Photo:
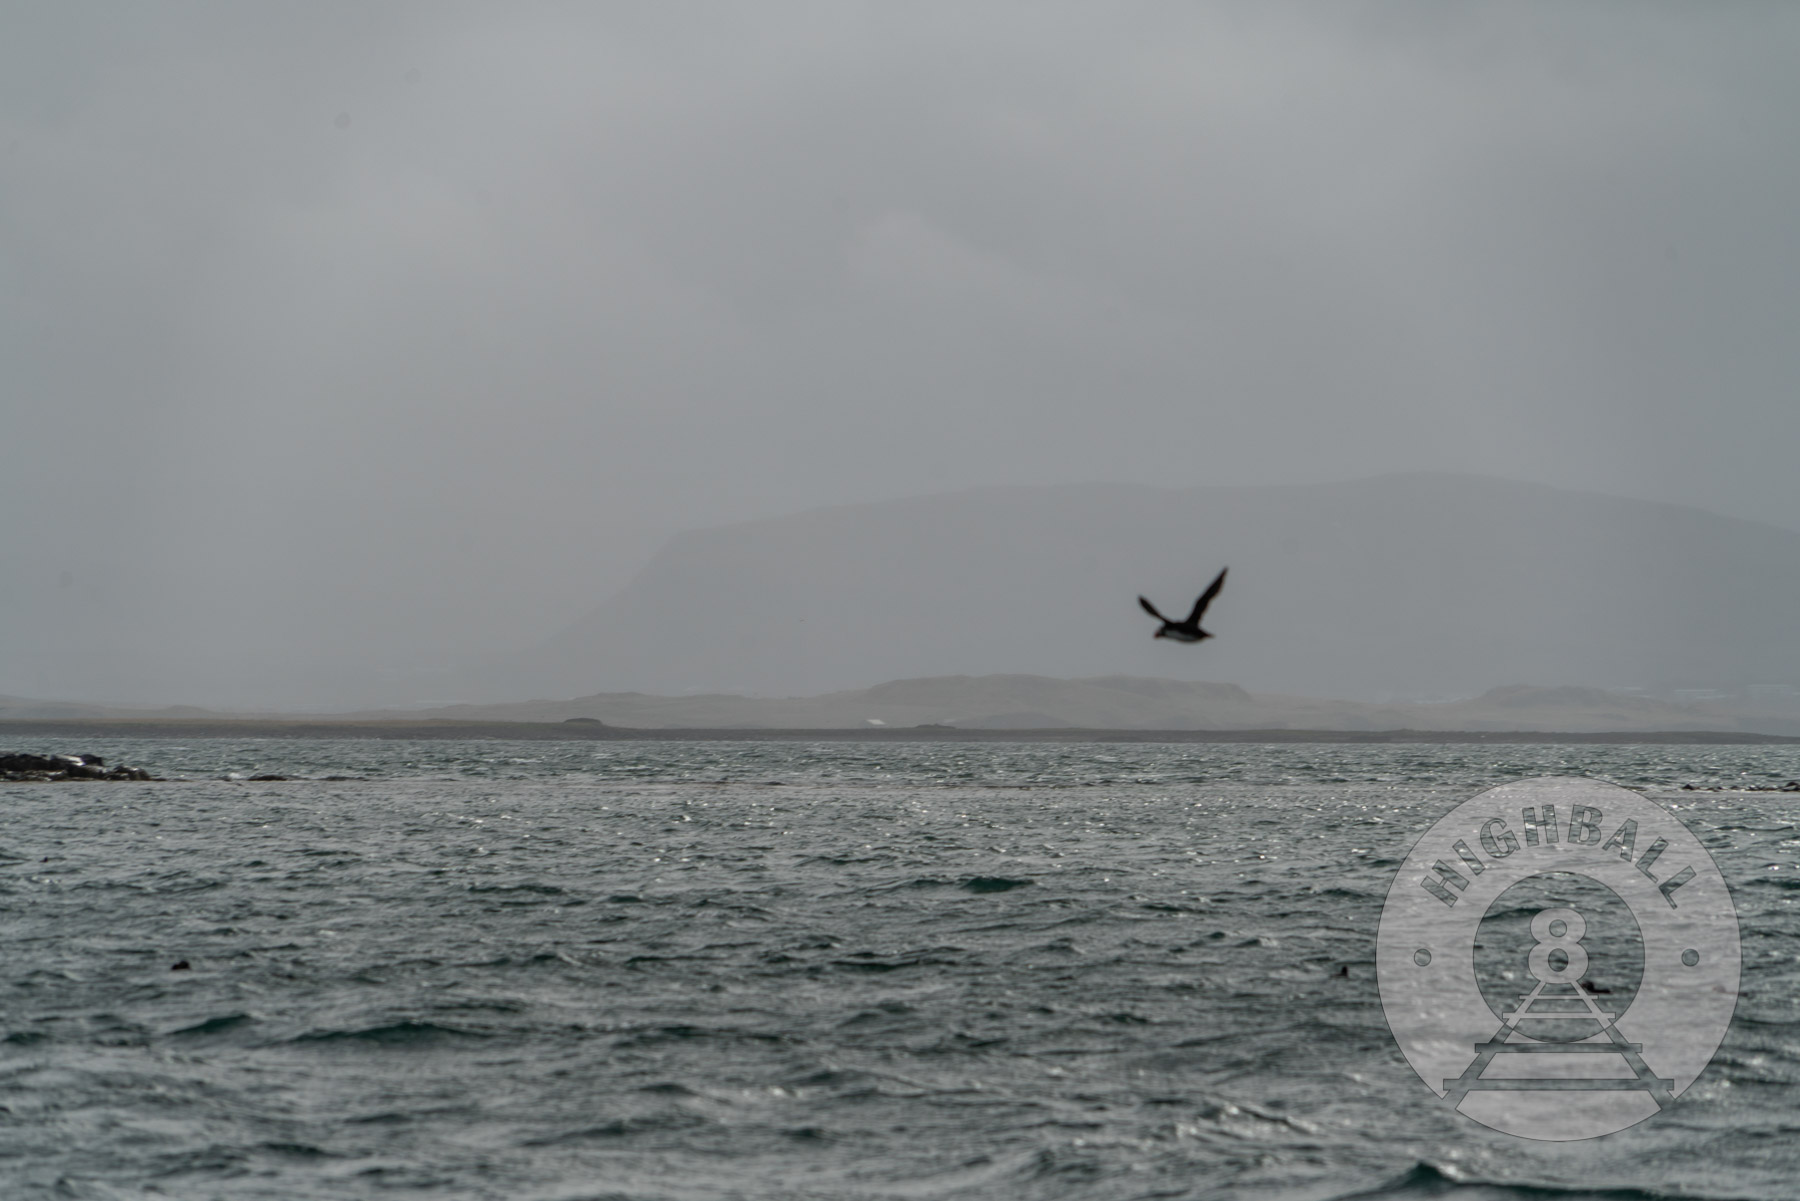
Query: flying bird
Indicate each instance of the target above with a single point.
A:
(1189, 630)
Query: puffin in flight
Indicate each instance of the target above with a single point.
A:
(1189, 630)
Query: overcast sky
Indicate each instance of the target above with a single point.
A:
(338, 341)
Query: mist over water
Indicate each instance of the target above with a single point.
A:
(788, 970)
(343, 347)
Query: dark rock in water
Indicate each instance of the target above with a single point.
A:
(21, 762)
(183, 966)
(257, 779)
(18, 766)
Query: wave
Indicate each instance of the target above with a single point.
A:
(624, 1127)
(1429, 1180)
(402, 1033)
(654, 1035)
(218, 1025)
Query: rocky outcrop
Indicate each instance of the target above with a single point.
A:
(18, 766)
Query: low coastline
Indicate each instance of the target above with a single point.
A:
(12, 731)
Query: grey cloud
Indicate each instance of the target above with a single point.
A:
(332, 406)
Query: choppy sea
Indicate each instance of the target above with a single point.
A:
(697, 970)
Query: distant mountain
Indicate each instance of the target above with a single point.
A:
(1404, 586)
(1010, 702)
(1126, 702)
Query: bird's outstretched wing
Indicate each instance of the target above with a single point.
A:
(1206, 598)
(1151, 610)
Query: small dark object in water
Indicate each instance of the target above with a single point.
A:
(1343, 972)
(1189, 629)
(256, 778)
(183, 966)
(582, 721)
(994, 884)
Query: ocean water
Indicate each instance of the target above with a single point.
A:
(785, 970)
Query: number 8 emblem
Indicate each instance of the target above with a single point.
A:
(1627, 935)
(1558, 932)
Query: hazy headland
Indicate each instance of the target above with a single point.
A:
(1410, 587)
(1424, 603)
(977, 707)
